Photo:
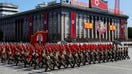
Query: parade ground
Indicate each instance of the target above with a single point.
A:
(119, 67)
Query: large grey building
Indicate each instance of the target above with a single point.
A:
(64, 21)
(8, 9)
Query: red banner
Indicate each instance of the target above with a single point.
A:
(45, 21)
(84, 4)
(73, 17)
(30, 26)
(100, 4)
(39, 36)
(122, 29)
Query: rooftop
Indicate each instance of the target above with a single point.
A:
(8, 4)
(57, 5)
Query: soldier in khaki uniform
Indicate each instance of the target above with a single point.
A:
(10, 56)
(48, 60)
(61, 58)
(26, 54)
(3, 54)
(55, 59)
(126, 53)
(17, 56)
(69, 58)
(76, 58)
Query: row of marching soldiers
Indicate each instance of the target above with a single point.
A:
(53, 56)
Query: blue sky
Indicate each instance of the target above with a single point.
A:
(125, 5)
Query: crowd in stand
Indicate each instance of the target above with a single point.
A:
(56, 56)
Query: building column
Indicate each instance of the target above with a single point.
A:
(113, 31)
(88, 29)
(99, 33)
(126, 30)
(77, 27)
(62, 27)
(106, 36)
(83, 27)
(116, 29)
(103, 24)
(96, 21)
(59, 28)
(92, 29)
(67, 26)
(80, 26)
(109, 30)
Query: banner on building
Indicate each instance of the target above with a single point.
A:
(101, 27)
(122, 28)
(112, 27)
(88, 25)
(84, 4)
(73, 30)
(30, 26)
(45, 21)
(99, 4)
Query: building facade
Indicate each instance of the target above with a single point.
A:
(8, 9)
(64, 22)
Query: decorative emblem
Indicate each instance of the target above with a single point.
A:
(30, 24)
(97, 2)
(72, 21)
(101, 27)
(45, 22)
(39, 37)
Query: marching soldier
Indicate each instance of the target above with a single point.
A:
(3, 54)
(55, 59)
(114, 54)
(26, 55)
(76, 57)
(88, 55)
(61, 58)
(126, 53)
(97, 55)
(69, 58)
(10, 55)
(110, 54)
(43, 57)
(17, 56)
(48, 60)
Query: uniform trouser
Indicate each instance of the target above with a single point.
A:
(35, 62)
(54, 62)
(69, 61)
(17, 59)
(76, 61)
(48, 64)
(43, 63)
(26, 61)
(81, 59)
(10, 59)
(86, 58)
(2, 58)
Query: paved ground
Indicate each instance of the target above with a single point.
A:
(120, 67)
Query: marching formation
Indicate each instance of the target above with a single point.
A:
(53, 56)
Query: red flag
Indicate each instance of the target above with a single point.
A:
(122, 29)
(30, 27)
(100, 4)
(45, 21)
(73, 16)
